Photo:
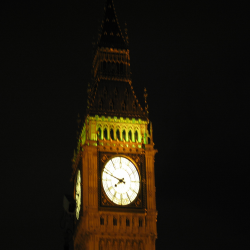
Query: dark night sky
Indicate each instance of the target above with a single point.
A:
(192, 58)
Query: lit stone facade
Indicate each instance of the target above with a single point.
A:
(115, 125)
(100, 229)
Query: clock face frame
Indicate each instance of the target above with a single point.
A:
(121, 180)
(139, 204)
(78, 194)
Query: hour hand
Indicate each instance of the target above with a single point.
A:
(120, 181)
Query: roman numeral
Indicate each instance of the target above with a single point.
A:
(113, 164)
(128, 196)
(133, 172)
(132, 190)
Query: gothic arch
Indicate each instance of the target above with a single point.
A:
(128, 245)
(101, 220)
(99, 132)
(122, 245)
(117, 127)
(124, 137)
(115, 245)
(111, 133)
(101, 245)
(135, 245)
(109, 245)
(137, 131)
(136, 135)
(141, 247)
(118, 133)
(105, 132)
(114, 221)
(130, 135)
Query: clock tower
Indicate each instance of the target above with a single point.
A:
(113, 166)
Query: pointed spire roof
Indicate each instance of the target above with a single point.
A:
(111, 35)
(111, 92)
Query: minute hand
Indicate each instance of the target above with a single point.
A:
(114, 176)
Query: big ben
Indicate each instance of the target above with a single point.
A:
(113, 167)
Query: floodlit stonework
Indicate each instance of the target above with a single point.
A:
(116, 137)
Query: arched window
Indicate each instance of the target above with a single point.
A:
(124, 135)
(112, 134)
(140, 222)
(118, 134)
(102, 221)
(136, 135)
(141, 246)
(130, 135)
(114, 221)
(127, 222)
(102, 245)
(105, 133)
(99, 133)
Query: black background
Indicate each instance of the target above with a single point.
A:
(193, 58)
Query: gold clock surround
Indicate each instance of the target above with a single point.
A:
(139, 202)
(121, 180)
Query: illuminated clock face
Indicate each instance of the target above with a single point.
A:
(120, 180)
(78, 194)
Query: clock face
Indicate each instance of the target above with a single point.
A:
(120, 180)
(78, 194)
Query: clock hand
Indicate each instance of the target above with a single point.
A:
(120, 180)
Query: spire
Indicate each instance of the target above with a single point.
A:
(111, 35)
(111, 92)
